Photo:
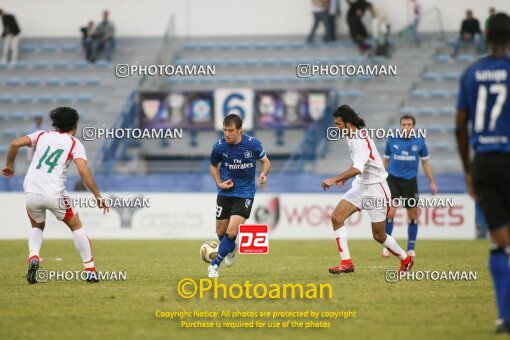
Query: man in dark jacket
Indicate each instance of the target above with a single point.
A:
(10, 35)
(470, 33)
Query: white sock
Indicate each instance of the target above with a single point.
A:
(394, 248)
(82, 244)
(35, 239)
(341, 242)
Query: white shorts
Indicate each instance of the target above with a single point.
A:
(37, 205)
(374, 198)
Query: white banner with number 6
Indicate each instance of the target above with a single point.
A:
(238, 101)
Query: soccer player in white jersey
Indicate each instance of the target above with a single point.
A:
(369, 191)
(44, 185)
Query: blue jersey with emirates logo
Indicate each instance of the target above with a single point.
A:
(238, 162)
(404, 156)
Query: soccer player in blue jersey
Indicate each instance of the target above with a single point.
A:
(233, 163)
(483, 104)
(401, 159)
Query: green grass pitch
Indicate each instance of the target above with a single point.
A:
(126, 309)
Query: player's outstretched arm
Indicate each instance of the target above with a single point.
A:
(90, 183)
(8, 169)
(340, 179)
(462, 136)
(266, 166)
(428, 171)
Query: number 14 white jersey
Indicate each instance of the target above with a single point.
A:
(53, 152)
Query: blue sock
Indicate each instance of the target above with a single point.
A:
(412, 233)
(220, 237)
(389, 226)
(227, 244)
(500, 271)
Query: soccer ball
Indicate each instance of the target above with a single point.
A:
(209, 251)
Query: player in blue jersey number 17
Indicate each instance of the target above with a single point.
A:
(483, 104)
(233, 164)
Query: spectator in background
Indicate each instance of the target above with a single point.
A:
(492, 12)
(470, 33)
(10, 35)
(413, 27)
(37, 125)
(320, 14)
(380, 29)
(356, 27)
(87, 33)
(103, 38)
(334, 11)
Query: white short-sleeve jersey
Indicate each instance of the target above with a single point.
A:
(366, 159)
(53, 153)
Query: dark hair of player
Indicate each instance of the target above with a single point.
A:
(498, 30)
(64, 119)
(408, 117)
(349, 116)
(233, 119)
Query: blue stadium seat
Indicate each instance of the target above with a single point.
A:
(102, 63)
(443, 146)
(251, 62)
(9, 133)
(4, 148)
(73, 82)
(259, 79)
(65, 98)
(287, 61)
(224, 79)
(225, 45)
(269, 61)
(13, 82)
(25, 98)
(190, 45)
(442, 58)
(244, 45)
(305, 60)
(70, 47)
(276, 78)
(434, 128)
(279, 44)
(447, 111)
(450, 128)
(28, 47)
(33, 82)
(62, 64)
(261, 45)
(242, 79)
(451, 76)
(53, 81)
(2, 115)
(234, 62)
(464, 58)
(93, 81)
(207, 45)
(181, 61)
(340, 60)
(427, 111)
(440, 93)
(379, 59)
(419, 94)
(6, 98)
(38, 114)
(405, 110)
(297, 44)
(21, 65)
(358, 60)
(49, 47)
(18, 115)
(217, 62)
(430, 76)
(84, 98)
(45, 98)
(80, 64)
(41, 64)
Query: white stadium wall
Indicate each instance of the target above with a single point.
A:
(192, 216)
(62, 18)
